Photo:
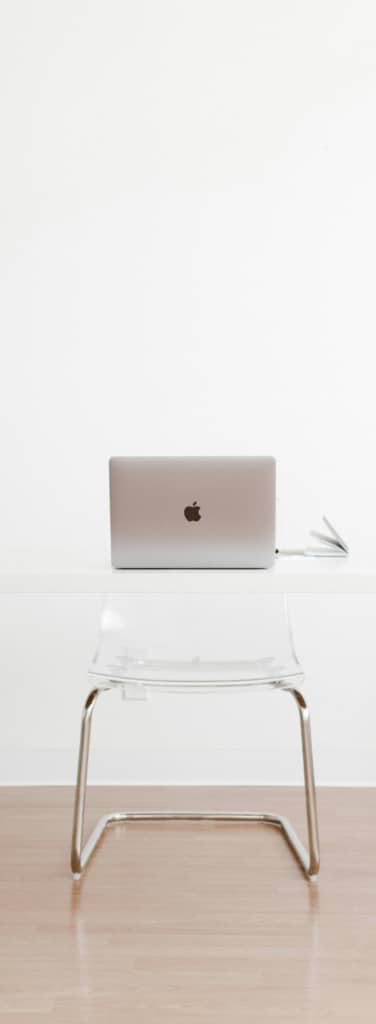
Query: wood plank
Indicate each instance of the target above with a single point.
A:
(187, 922)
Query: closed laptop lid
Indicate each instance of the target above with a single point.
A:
(192, 512)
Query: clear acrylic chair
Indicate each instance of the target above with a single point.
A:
(195, 643)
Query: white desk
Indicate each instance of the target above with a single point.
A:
(293, 575)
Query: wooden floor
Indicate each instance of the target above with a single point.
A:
(187, 922)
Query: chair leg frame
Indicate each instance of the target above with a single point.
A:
(308, 859)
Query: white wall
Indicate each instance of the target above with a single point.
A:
(187, 265)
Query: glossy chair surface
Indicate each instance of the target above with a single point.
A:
(195, 641)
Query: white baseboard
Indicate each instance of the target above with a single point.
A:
(182, 768)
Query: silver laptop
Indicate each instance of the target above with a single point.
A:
(192, 512)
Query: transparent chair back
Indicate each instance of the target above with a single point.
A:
(195, 640)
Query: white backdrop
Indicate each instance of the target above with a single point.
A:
(187, 266)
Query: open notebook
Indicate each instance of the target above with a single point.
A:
(332, 545)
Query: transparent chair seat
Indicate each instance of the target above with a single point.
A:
(195, 641)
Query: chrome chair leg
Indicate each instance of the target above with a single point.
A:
(79, 856)
(309, 860)
(313, 860)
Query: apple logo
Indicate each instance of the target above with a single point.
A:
(192, 512)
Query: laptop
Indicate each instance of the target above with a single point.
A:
(206, 512)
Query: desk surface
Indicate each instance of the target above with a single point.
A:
(293, 574)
